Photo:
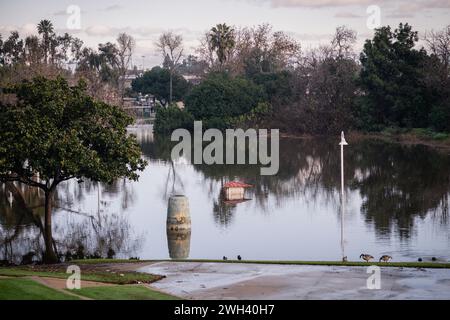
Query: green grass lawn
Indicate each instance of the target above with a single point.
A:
(124, 292)
(27, 289)
(107, 277)
(103, 261)
(441, 265)
(410, 264)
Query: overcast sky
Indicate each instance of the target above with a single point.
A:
(309, 21)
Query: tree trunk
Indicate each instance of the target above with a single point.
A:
(170, 90)
(49, 255)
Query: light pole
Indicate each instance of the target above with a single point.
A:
(143, 59)
(342, 144)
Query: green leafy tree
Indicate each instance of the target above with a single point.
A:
(391, 78)
(171, 118)
(438, 77)
(157, 82)
(220, 98)
(54, 133)
(12, 49)
(33, 51)
(109, 62)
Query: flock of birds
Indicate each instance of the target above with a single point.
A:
(226, 258)
(385, 258)
(366, 257)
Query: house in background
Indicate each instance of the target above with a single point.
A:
(192, 79)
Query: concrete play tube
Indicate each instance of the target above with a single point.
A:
(178, 227)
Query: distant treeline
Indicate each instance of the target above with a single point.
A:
(257, 77)
(263, 78)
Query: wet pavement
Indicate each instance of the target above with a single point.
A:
(192, 280)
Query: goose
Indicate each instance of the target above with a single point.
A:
(344, 259)
(239, 257)
(366, 257)
(225, 258)
(385, 258)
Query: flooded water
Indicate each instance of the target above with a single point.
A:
(396, 204)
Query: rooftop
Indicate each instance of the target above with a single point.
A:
(237, 184)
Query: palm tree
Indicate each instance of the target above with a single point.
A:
(222, 40)
(45, 28)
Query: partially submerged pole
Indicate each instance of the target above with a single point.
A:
(342, 144)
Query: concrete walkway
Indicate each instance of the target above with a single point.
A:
(193, 280)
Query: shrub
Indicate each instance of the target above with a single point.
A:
(220, 98)
(171, 118)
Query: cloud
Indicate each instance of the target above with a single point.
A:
(400, 15)
(318, 3)
(408, 9)
(348, 15)
(24, 30)
(414, 5)
(150, 34)
(64, 13)
(438, 4)
(99, 30)
(112, 7)
(60, 13)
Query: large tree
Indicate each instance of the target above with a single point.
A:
(54, 133)
(391, 79)
(157, 82)
(171, 47)
(437, 77)
(125, 46)
(222, 40)
(12, 49)
(220, 98)
(45, 28)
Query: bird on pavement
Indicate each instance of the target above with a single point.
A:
(385, 258)
(366, 257)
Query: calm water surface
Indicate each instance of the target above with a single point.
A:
(397, 204)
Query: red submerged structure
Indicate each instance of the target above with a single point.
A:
(234, 191)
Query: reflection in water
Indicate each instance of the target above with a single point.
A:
(342, 144)
(400, 184)
(100, 237)
(394, 185)
(223, 212)
(179, 243)
(21, 228)
(20, 207)
(396, 204)
(178, 227)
